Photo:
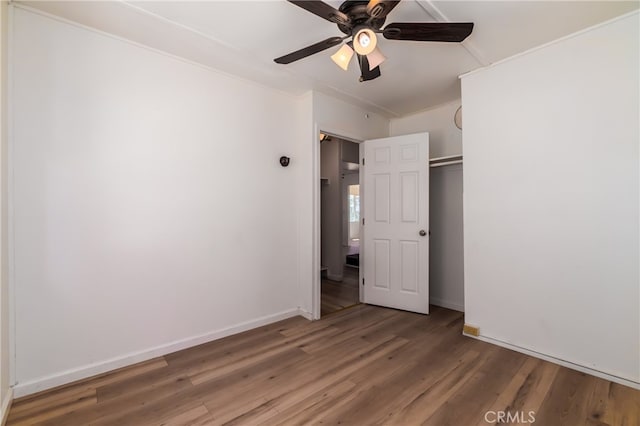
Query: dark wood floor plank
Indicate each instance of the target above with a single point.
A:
(309, 410)
(566, 403)
(305, 389)
(204, 353)
(313, 373)
(197, 416)
(86, 399)
(623, 406)
(220, 396)
(480, 391)
(217, 367)
(363, 365)
(425, 401)
(335, 295)
(383, 396)
(351, 332)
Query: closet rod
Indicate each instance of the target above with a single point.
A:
(445, 158)
(446, 163)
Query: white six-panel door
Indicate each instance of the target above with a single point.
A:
(396, 227)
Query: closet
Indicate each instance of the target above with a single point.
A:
(446, 257)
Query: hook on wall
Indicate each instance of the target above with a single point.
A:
(284, 161)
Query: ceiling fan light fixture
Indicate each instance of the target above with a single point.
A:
(365, 41)
(343, 56)
(375, 58)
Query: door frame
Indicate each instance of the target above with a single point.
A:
(317, 205)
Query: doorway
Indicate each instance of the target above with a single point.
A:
(339, 223)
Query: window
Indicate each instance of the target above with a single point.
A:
(354, 203)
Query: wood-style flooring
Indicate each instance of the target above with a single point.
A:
(362, 366)
(339, 295)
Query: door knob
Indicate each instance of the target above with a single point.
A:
(422, 232)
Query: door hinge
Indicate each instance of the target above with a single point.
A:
(363, 281)
(363, 161)
(363, 220)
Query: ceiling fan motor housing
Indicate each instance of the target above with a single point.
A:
(357, 11)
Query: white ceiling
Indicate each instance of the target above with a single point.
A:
(243, 37)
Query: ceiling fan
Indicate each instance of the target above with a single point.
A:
(361, 20)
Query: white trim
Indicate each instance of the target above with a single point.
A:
(556, 41)
(6, 406)
(65, 377)
(446, 304)
(316, 249)
(305, 314)
(10, 203)
(559, 361)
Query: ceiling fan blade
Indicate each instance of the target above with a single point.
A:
(428, 31)
(323, 10)
(309, 50)
(365, 73)
(380, 8)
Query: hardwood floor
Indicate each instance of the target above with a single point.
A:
(339, 295)
(364, 365)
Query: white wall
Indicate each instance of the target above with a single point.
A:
(129, 239)
(322, 112)
(444, 137)
(446, 259)
(5, 394)
(551, 181)
(347, 120)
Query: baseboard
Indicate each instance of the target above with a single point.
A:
(446, 304)
(69, 376)
(305, 314)
(6, 406)
(559, 361)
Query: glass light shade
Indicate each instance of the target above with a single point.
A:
(365, 41)
(375, 58)
(343, 56)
